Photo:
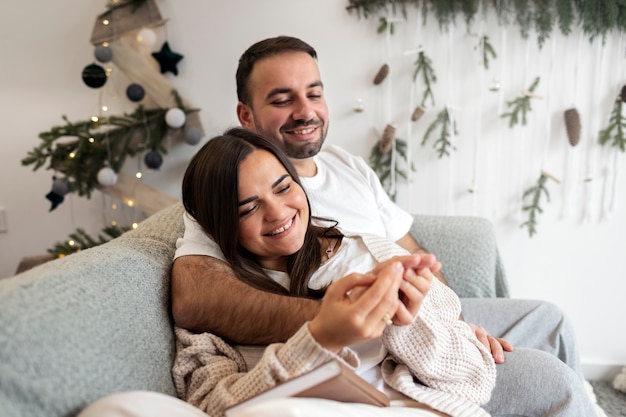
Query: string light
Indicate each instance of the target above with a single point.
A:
(135, 225)
(72, 155)
(106, 22)
(113, 223)
(113, 206)
(139, 174)
(94, 119)
(130, 202)
(71, 242)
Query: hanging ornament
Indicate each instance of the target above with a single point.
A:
(193, 135)
(572, 126)
(623, 94)
(358, 106)
(147, 37)
(103, 53)
(381, 74)
(175, 117)
(418, 113)
(107, 177)
(153, 159)
(495, 86)
(94, 76)
(56, 195)
(386, 142)
(135, 92)
(167, 59)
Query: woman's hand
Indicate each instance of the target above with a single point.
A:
(344, 320)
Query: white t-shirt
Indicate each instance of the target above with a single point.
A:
(344, 188)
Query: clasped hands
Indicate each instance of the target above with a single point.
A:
(356, 307)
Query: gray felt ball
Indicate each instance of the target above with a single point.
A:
(103, 53)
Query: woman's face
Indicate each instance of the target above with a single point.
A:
(273, 210)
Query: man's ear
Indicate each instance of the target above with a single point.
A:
(244, 114)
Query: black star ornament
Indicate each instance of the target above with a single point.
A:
(167, 59)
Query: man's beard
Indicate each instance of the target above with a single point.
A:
(298, 149)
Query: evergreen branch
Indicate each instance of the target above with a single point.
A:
(616, 129)
(534, 208)
(80, 240)
(520, 106)
(443, 144)
(487, 50)
(423, 66)
(108, 141)
(381, 164)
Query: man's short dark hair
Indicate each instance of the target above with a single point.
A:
(264, 49)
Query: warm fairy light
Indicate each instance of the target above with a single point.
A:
(130, 202)
(135, 225)
(71, 242)
(113, 223)
(105, 44)
(108, 71)
(105, 108)
(94, 119)
(91, 140)
(72, 155)
(138, 174)
(106, 22)
(114, 206)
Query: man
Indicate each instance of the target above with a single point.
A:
(281, 96)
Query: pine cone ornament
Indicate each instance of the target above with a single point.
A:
(386, 143)
(417, 113)
(572, 125)
(622, 94)
(381, 74)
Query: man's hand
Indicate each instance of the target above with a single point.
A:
(497, 346)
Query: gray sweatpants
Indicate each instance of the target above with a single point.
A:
(542, 377)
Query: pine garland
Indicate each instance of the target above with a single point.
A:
(616, 130)
(105, 142)
(487, 50)
(80, 240)
(520, 105)
(443, 144)
(596, 18)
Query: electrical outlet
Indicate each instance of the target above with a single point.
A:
(3, 221)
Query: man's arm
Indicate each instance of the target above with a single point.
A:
(207, 297)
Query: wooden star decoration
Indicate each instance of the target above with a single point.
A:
(167, 59)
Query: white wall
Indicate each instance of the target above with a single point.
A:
(576, 263)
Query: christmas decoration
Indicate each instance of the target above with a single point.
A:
(615, 132)
(382, 165)
(146, 37)
(381, 74)
(534, 208)
(193, 135)
(542, 16)
(135, 92)
(175, 118)
(167, 59)
(487, 50)
(106, 177)
(386, 142)
(56, 195)
(153, 159)
(103, 53)
(106, 141)
(423, 66)
(448, 127)
(572, 126)
(417, 113)
(94, 76)
(521, 105)
(80, 240)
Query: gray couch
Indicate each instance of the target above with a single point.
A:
(98, 321)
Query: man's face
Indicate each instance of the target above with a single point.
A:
(287, 104)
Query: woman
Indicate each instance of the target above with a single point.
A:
(246, 195)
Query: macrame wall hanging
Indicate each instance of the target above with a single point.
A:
(527, 115)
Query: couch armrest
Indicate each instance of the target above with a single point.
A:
(466, 246)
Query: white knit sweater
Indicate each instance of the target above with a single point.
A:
(437, 360)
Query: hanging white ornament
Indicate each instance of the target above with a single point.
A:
(107, 177)
(175, 117)
(147, 37)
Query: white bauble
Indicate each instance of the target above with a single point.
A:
(146, 37)
(107, 177)
(175, 117)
